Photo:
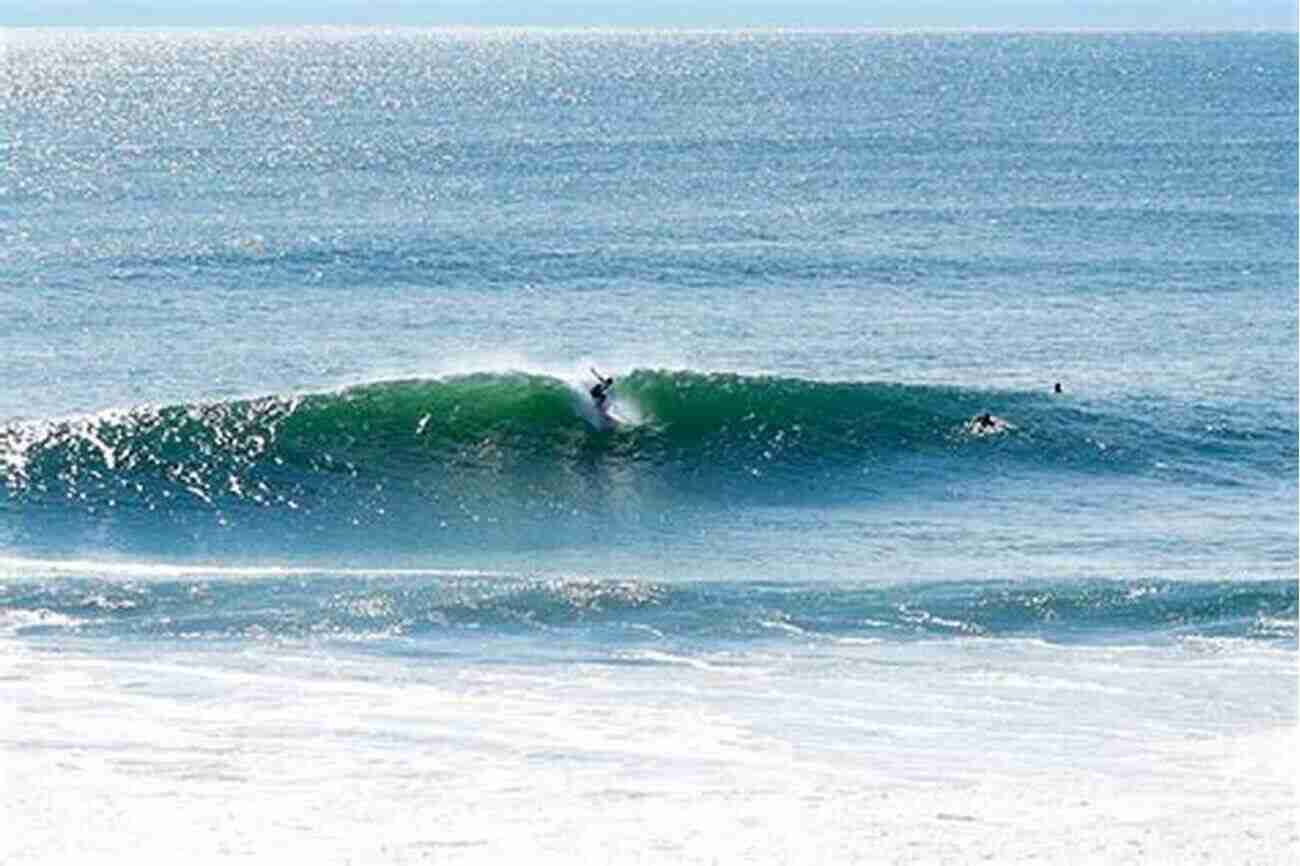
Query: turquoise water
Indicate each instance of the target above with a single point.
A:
(317, 294)
(299, 326)
(513, 469)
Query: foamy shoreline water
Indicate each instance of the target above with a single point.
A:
(309, 546)
(901, 753)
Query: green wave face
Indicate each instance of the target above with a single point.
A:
(676, 423)
(526, 453)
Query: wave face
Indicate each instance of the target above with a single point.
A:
(513, 458)
(633, 612)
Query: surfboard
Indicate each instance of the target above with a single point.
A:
(598, 418)
(987, 425)
(613, 415)
(608, 418)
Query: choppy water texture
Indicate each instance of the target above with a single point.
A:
(403, 609)
(305, 510)
(512, 462)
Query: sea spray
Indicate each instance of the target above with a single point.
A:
(512, 448)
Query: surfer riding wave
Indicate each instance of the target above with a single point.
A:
(600, 391)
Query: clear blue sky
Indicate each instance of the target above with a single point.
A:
(1142, 14)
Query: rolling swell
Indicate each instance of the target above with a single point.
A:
(637, 613)
(514, 457)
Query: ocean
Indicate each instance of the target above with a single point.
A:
(951, 515)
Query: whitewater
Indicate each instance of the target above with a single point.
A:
(952, 516)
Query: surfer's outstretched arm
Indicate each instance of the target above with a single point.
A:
(600, 391)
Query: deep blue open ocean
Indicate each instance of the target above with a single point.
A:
(312, 541)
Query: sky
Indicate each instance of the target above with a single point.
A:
(966, 14)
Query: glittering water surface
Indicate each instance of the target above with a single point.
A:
(310, 530)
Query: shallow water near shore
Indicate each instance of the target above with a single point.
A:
(309, 540)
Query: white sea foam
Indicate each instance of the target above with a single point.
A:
(835, 755)
(21, 567)
(576, 203)
(13, 622)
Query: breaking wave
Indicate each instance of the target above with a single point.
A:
(404, 462)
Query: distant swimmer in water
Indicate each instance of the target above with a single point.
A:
(1056, 389)
(600, 391)
(985, 421)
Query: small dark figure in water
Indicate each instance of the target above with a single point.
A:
(985, 421)
(1056, 389)
(600, 391)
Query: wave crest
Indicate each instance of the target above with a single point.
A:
(515, 451)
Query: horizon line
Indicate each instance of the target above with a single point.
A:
(671, 28)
